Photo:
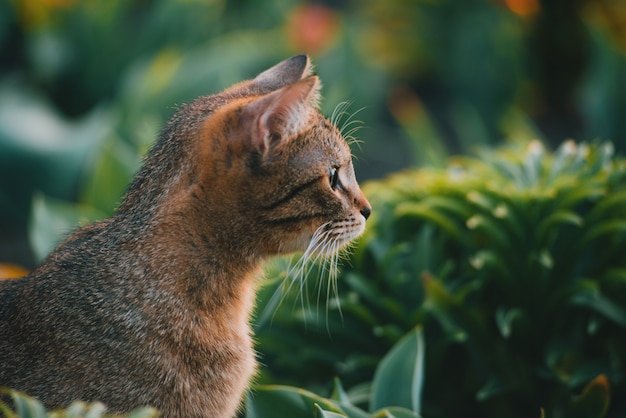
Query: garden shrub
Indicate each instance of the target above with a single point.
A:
(513, 264)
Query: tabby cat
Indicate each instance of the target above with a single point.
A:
(151, 307)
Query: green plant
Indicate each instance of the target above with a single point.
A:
(395, 391)
(28, 407)
(513, 264)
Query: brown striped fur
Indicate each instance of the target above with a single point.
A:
(151, 307)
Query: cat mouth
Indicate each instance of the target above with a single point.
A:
(348, 229)
(332, 236)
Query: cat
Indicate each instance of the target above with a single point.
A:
(151, 307)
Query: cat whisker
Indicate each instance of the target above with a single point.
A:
(354, 126)
(271, 307)
(329, 269)
(350, 135)
(325, 251)
(298, 272)
(339, 111)
(321, 249)
(344, 124)
(332, 289)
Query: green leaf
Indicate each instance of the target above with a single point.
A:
(327, 414)
(5, 411)
(339, 394)
(490, 389)
(423, 211)
(26, 406)
(559, 217)
(445, 307)
(616, 201)
(605, 228)
(496, 237)
(75, 410)
(143, 413)
(481, 200)
(342, 399)
(577, 194)
(617, 274)
(52, 220)
(589, 295)
(506, 318)
(113, 171)
(533, 162)
(489, 260)
(285, 401)
(95, 410)
(360, 394)
(445, 203)
(395, 412)
(399, 376)
(561, 159)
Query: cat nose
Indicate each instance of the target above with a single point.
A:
(361, 201)
(366, 212)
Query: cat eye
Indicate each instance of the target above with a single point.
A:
(333, 178)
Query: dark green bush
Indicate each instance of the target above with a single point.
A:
(514, 264)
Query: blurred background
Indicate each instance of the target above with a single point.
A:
(85, 85)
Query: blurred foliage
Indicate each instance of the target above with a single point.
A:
(86, 85)
(514, 266)
(476, 64)
(26, 407)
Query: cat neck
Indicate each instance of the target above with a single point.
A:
(172, 256)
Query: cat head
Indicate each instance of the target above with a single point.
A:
(271, 173)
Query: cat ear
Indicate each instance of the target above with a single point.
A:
(274, 118)
(284, 73)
